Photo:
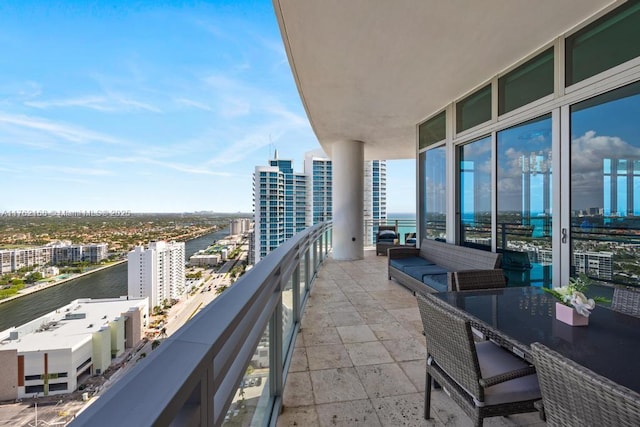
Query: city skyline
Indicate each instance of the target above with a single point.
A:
(149, 107)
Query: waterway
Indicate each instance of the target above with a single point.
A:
(107, 283)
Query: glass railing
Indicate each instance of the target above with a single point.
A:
(227, 366)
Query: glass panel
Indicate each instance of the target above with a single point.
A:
(287, 315)
(475, 194)
(433, 167)
(433, 130)
(474, 109)
(303, 284)
(524, 202)
(605, 43)
(530, 81)
(252, 399)
(605, 177)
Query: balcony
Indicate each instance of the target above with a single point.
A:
(359, 357)
(300, 339)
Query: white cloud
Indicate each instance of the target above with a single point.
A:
(60, 130)
(195, 104)
(75, 171)
(108, 104)
(168, 165)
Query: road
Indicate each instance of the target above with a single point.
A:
(59, 410)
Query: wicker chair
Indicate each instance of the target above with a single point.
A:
(478, 279)
(482, 378)
(382, 245)
(626, 300)
(573, 395)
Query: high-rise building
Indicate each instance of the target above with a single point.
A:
(286, 202)
(157, 272)
(281, 207)
(318, 167)
(375, 198)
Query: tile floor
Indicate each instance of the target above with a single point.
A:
(359, 357)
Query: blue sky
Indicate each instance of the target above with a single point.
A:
(148, 106)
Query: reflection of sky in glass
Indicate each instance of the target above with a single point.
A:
(475, 177)
(524, 153)
(601, 133)
(435, 181)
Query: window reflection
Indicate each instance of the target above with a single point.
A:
(524, 202)
(605, 178)
(434, 193)
(475, 194)
(252, 399)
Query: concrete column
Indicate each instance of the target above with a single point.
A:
(348, 206)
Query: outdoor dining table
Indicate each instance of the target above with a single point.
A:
(519, 316)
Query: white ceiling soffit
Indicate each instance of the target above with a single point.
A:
(370, 70)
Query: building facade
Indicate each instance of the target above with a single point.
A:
(286, 202)
(157, 272)
(319, 168)
(280, 205)
(522, 134)
(55, 352)
(12, 260)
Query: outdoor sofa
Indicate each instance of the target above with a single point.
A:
(433, 267)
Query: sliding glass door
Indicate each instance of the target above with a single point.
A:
(605, 178)
(524, 202)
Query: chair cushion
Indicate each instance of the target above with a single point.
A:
(414, 261)
(387, 234)
(418, 272)
(385, 240)
(495, 360)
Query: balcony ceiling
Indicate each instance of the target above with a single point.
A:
(370, 70)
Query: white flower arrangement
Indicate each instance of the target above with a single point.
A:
(572, 295)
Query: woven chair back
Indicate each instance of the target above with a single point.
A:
(626, 300)
(450, 343)
(573, 395)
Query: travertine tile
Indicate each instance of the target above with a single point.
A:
(404, 315)
(390, 331)
(406, 349)
(320, 336)
(301, 416)
(348, 414)
(348, 318)
(368, 353)
(336, 385)
(406, 410)
(297, 391)
(360, 358)
(384, 380)
(317, 319)
(299, 360)
(415, 370)
(358, 333)
(328, 356)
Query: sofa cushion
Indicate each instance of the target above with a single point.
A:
(418, 272)
(439, 282)
(414, 261)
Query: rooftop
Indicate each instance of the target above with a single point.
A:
(360, 355)
(68, 326)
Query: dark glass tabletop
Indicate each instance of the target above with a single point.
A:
(518, 317)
